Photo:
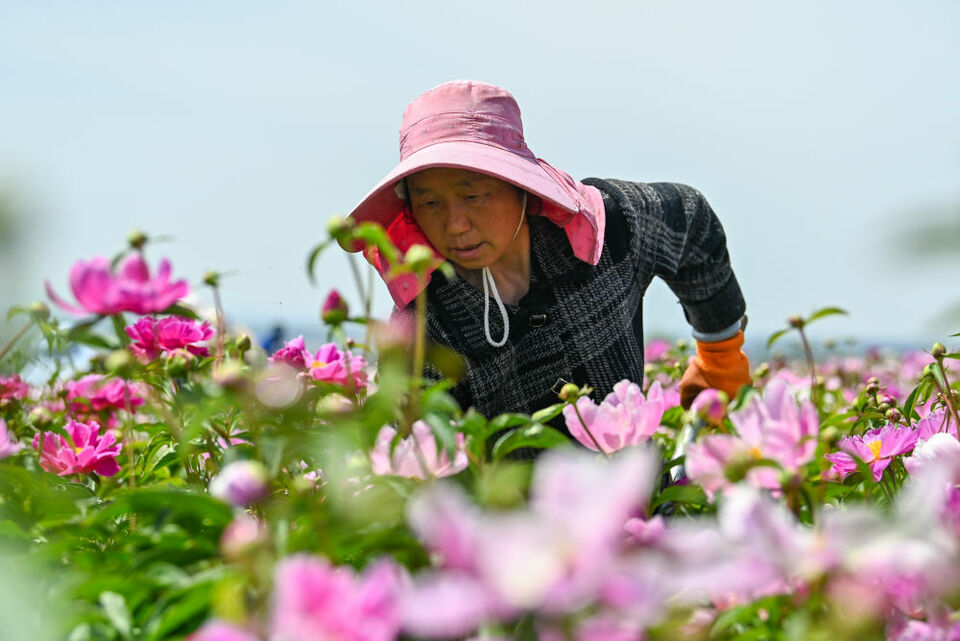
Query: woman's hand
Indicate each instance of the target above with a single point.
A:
(721, 365)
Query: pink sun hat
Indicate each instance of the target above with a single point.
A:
(475, 126)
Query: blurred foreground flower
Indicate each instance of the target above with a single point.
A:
(241, 483)
(8, 446)
(315, 600)
(418, 456)
(131, 288)
(13, 388)
(151, 337)
(625, 417)
(220, 631)
(86, 452)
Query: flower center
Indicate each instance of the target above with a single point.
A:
(317, 364)
(755, 452)
(875, 448)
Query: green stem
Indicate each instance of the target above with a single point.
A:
(12, 341)
(221, 326)
(947, 392)
(811, 364)
(420, 344)
(587, 430)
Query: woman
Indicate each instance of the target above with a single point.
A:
(565, 263)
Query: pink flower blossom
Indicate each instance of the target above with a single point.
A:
(418, 456)
(624, 418)
(936, 421)
(241, 483)
(772, 427)
(655, 350)
(314, 600)
(711, 405)
(86, 452)
(293, 352)
(8, 447)
(334, 310)
(244, 533)
(97, 393)
(100, 290)
(876, 448)
(220, 631)
(330, 365)
(13, 388)
(151, 337)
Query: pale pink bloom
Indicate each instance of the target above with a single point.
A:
(418, 456)
(100, 290)
(86, 452)
(314, 600)
(445, 605)
(609, 628)
(152, 337)
(936, 421)
(624, 418)
(769, 427)
(244, 533)
(655, 350)
(220, 631)
(293, 352)
(8, 447)
(711, 405)
(646, 532)
(12, 388)
(241, 483)
(95, 392)
(876, 448)
(671, 396)
(331, 365)
(913, 630)
(937, 449)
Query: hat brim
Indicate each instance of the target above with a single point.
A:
(382, 205)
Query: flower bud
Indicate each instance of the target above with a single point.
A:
(893, 415)
(569, 392)
(418, 258)
(873, 385)
(119, 362)
(830, 435)
(335, 309)
(796, 322)
(231, 373)
(888, 400)
(211, 278)
(137, 239)
(762, 370)
(241, 483)
(244, 534)
(178, 363)
(930, 371)
(244, 342)
(682, 344)
(884, 407)
(38, 311)
(40, 415)
(938, 351)
(710, 405)
(338, 227)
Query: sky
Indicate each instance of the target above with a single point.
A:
(823, 134)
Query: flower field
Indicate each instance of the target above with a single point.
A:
(162, 477)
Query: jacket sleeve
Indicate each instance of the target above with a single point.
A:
(675, 234)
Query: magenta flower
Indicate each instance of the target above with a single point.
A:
(151, 337)
(876, 448)
(293, 352)
(8, 447)
(711, 405)
(314, 600)
(624, 418)
(95, 392)
(418, 456)
(85, 452)
(936, 421)
(330, 365)
(655, 350)
(100, 290)
(220, 631)
(241, 483)
(772, 427)
(13, 388)
(334, 310)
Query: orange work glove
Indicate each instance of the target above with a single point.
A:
(721, 365)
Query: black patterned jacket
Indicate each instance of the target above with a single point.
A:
(584, 323)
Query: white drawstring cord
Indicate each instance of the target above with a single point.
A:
(487, 277)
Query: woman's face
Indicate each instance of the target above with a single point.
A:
(470, 218)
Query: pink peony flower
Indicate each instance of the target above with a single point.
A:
(334, 310)
(244, 533)
(293, 352)
(418, 456)
(8, 447)
(102, 393)
(220, 631)
(12, 388)
(624, 418)
(772, 427)
(936, 421)
(711, 405)
(151, 337)
(655, 350)
(86, 452)
(100, 290)
(241, 483)
(330, 365)
(314, 600)
(876, 448)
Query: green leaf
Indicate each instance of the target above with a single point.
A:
(119, 326)
(689, 494)
(312, 259)
(194, 604)
(826, 311)
(776, 335)
(547, 413)
(181, 310)
(115, 607)
(16, 310)
(443, 431)
(505, 421)
(539, 436)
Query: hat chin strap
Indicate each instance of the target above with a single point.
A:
(489, 284)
